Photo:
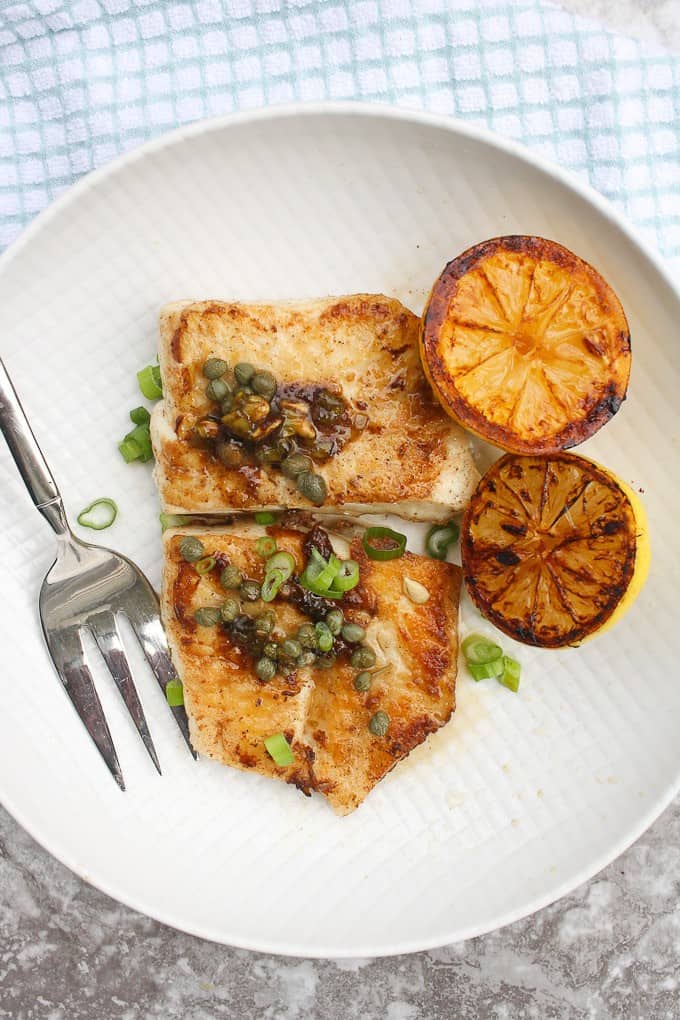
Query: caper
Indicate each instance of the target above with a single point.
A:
(250, 591)
(301, 427)
(207, 616)
(295, 464)
(217, 390)
(230, 610)
(227, 404)
(244, 628)
(267, 455)
(325, 661)
(334, 621)
(191, 549)
(271, 650)
(244, 372)
(327, 409)
(291, 648)
(312, 487)
(265, 622)
(284, 447)
(256, 408)
(207, 428)
(230, 577)
(306, 635)
(322, 449)
(265, 668)
(363, 657)
(362, 681)
(214, 368)
(229, 454)
(237, 423)
(264, 383)
(306, 658)
(379, 723)
(353, 633)
(324, 638)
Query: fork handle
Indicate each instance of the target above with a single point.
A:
(28, 455)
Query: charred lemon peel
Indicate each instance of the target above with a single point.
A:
(554, 549)
(526, 345)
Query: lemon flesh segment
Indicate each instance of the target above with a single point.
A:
(554, 549)
(525, 344)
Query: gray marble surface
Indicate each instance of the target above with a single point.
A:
(611, 949)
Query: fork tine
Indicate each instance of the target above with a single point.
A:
(68, 655)
(151, 636)
(107, 635)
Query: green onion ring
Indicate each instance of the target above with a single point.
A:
(279, 749)
(174, 693)
(108, 519)
(439, 538)
(204, 565)
(130, 450)
(284, 562)
(265, 546)
(510, 675)
(265, 517)
(149, 379)
(486, 670)
(174, 520)
(347, 577)
(271, 584)
(375, 552)
(478, 650)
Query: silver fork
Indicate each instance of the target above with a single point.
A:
(86, 589)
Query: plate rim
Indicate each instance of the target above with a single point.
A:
(466, 130)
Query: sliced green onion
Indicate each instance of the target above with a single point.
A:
(376, 552)
(439, 538)
(265, 517)
(511, 673)
(486, 670)
(149, 380)
(327, 575)
(174, 692)
(100, 520)
(478, 649)
(271, 584)
(347, 576)
(278, 569)
(319, 581)
(174, 520)
(282, 561)
(265, 546)
(130, 450)
(315, 565)
(204, 565)
(142, 437)
(279, 749)
(140, 416)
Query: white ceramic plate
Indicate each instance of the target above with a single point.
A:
(521, 797)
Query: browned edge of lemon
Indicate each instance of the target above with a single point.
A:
(443, 383)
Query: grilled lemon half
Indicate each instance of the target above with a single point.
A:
(554, 548)
(526, 345)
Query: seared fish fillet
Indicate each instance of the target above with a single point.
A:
(399, 452)
(324, 718)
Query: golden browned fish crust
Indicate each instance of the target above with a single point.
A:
(323, 717)
(408, 458)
